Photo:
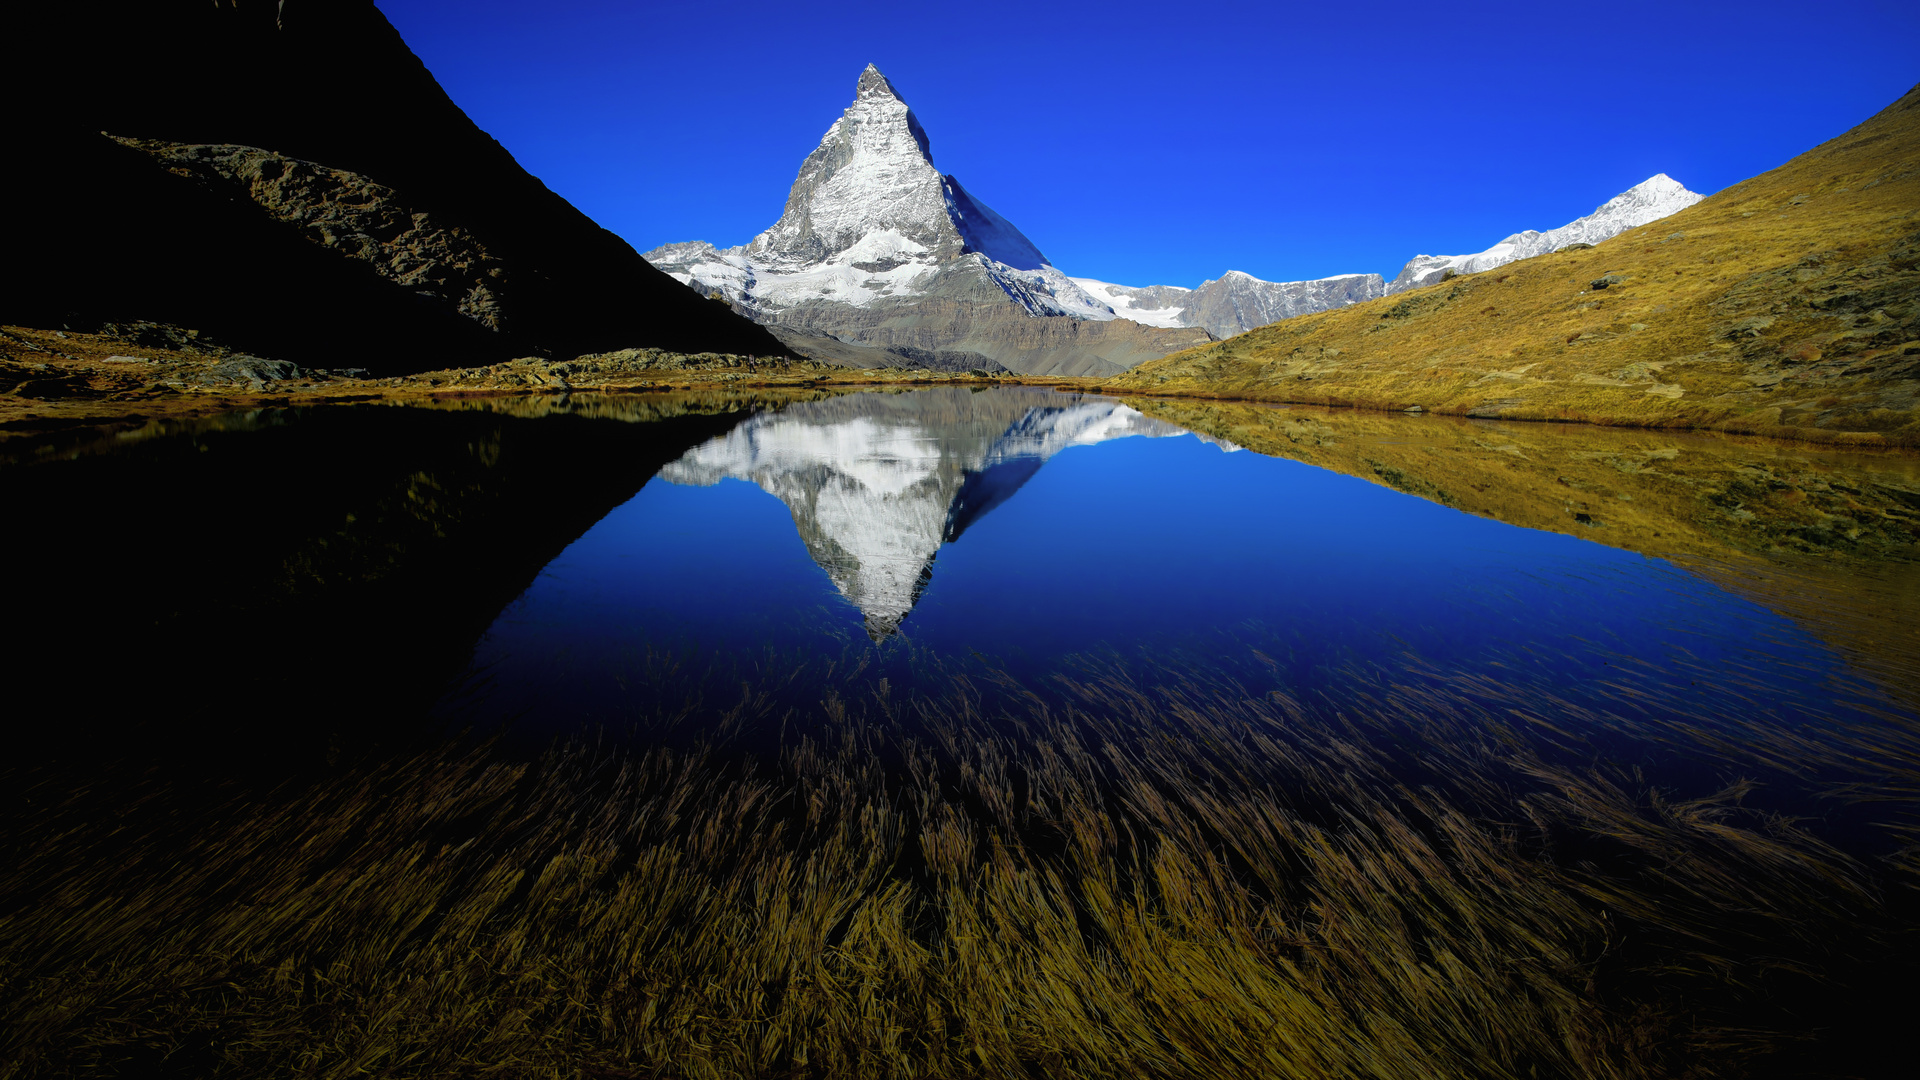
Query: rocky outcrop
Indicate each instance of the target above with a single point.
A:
(353, 216)
(378, 248)
(1235, 302)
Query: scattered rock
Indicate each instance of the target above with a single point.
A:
(251, 370)
(1493, 408)
(1605, 281)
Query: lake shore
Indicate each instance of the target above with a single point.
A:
(56, 379)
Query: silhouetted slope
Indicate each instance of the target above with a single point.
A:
(107, 232)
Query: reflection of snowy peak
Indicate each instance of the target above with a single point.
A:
(876, 483)
(1645, 202)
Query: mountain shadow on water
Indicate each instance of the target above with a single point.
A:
(287, 177)
(271, 587)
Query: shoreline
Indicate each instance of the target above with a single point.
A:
(173, 383)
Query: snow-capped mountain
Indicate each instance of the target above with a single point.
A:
(871, 228)
(877, 483)
(1235, 302)
(877, 252)
(1648, 201)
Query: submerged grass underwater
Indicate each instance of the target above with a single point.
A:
(1133, 870)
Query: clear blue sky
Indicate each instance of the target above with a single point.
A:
(1166, 143)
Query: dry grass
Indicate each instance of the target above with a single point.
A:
(1147, 874)
(50, 378)
(1787, 305)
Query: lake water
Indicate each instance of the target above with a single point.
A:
(1025, 532)
(1496, 739)
(604, 566)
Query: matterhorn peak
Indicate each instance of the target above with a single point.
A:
(873, 84)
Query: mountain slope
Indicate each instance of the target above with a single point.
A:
(876, 248)
(1788, 304)
(153, 228)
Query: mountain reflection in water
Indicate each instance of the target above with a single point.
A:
(945, 533)
(877, 483)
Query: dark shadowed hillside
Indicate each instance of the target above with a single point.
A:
(287, 177)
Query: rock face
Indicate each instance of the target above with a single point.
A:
(353, 216)
(1645, 202)
(877, 483)
(394, 233)
(877, 249)
(1235, 302)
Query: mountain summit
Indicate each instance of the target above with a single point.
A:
(1645, 202)
(877, 250)
(869, 193)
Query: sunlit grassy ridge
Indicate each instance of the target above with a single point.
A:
(1785, 305)
(1162, 874)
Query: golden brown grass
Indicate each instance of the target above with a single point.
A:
(50, 378)
(1159, 875)
(1786, 305)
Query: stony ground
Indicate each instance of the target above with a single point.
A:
(56, 377)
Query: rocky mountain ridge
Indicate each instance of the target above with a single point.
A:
(877, 249)
(1237, 302)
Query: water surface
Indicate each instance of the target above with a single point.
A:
(905, 536)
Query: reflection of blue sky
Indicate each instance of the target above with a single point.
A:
(1152, 543)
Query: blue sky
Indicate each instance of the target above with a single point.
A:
(1166, 143)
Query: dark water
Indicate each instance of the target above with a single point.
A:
(291, 582)
(905, 537)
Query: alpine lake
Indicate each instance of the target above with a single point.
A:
(954, 731)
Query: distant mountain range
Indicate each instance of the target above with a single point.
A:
(878, 258)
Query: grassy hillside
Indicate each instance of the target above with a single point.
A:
(1787, 305)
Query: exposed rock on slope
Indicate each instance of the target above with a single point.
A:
(1234, 303)
(1788, 304)
(396, 234)
(876, 248)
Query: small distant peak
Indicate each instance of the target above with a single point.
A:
(874, 85)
